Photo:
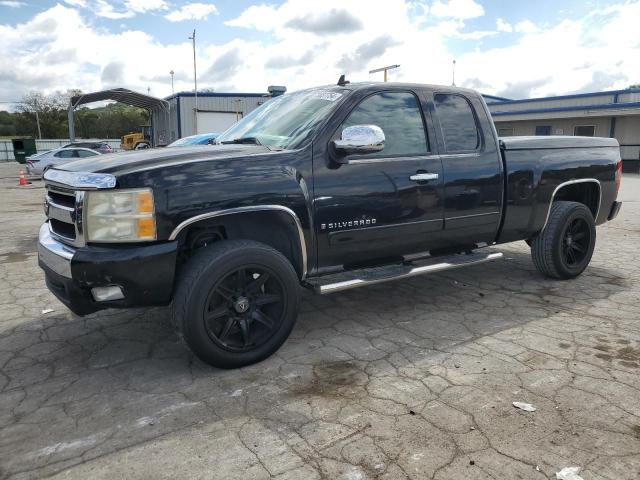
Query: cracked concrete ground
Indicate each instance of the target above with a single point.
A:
(412, 379)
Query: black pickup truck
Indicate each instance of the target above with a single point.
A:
(329, 188)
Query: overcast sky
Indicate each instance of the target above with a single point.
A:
(516, 49)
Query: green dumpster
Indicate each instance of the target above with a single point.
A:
(23, 148)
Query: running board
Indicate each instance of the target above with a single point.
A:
(371, 276)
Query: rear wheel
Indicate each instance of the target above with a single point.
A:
(236, 302)
(564, 248)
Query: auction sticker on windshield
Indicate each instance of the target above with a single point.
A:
(326, 95)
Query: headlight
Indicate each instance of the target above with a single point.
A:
(120, 216)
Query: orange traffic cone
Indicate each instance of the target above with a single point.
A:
(22, 181)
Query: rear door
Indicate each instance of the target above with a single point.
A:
(472, 168)
(383, 204)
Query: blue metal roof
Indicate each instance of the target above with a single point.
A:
(216, 94)
(501, 99)
(563, 97)
(600, 106)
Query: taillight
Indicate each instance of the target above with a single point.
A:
(618, 176)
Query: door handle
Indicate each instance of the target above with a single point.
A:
(421, 177)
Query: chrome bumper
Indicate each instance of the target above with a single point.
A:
(54, 254)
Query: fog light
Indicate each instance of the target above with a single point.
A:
(104, 294)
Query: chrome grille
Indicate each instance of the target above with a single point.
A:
(63, 208)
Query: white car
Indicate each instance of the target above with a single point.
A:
(39, 163)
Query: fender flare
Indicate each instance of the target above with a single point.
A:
(573, 182)
(254, 208)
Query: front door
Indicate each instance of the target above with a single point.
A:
(381, 205)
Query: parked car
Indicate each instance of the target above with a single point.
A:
(200, 139)
(41, 162)
(102, 146)
(330, 188)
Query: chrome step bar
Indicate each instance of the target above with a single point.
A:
(371, 276)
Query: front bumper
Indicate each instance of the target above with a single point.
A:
(144, 273)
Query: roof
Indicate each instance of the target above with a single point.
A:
(564, 97)
(599, 106)
(494, 97)
(122, 95)
(217, 94)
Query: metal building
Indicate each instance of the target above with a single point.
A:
(614, 113)
(216, 112)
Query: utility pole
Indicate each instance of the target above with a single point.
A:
(453, 79)
(38, 123)
(38, 118)
(384, 69)
(195, 82)
(172, 90)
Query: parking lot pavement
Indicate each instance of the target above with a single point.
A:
(412, 379)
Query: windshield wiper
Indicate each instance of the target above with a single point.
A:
(243, 140)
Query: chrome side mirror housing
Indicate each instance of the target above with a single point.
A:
(360, 139)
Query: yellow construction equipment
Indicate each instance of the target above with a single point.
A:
(135, 141)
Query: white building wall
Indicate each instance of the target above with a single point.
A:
(178, 120)
(559, 126)
(553, 103)
(628, 134)
(236, 104)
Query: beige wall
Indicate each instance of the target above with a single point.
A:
(627, 130)
(559, 126)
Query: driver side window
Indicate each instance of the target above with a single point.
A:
(399, 116)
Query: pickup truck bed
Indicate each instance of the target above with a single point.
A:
(537, 168)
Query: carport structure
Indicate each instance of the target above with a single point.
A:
(155, 106)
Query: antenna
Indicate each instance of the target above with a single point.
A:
(341, 81)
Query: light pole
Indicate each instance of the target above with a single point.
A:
(453, 80)
(172, 90)
(384, 69)
(195, 82)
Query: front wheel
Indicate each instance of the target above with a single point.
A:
(564, 248)
(236, 302)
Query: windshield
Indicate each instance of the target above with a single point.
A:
(284, 121)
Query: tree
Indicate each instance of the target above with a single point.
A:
(110, 121)
(43, 115)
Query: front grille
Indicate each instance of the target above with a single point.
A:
(64, 212)
(65, 199)
(66, 230)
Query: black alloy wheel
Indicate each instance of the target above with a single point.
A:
(563, 249)
(236, 302)
(576, 241)
(245, 308)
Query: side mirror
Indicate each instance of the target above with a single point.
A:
(360, 139)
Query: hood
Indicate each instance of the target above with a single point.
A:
(157, 157)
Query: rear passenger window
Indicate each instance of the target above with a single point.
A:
(457, 122)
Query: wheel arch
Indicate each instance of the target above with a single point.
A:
(587, 191)
(255, 223)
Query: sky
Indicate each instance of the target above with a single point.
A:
(514, 49)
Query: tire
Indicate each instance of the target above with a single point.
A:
(228, 312)
(564, 248)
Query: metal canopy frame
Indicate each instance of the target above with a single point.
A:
(122, 95)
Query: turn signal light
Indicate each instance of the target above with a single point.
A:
(618, 176)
